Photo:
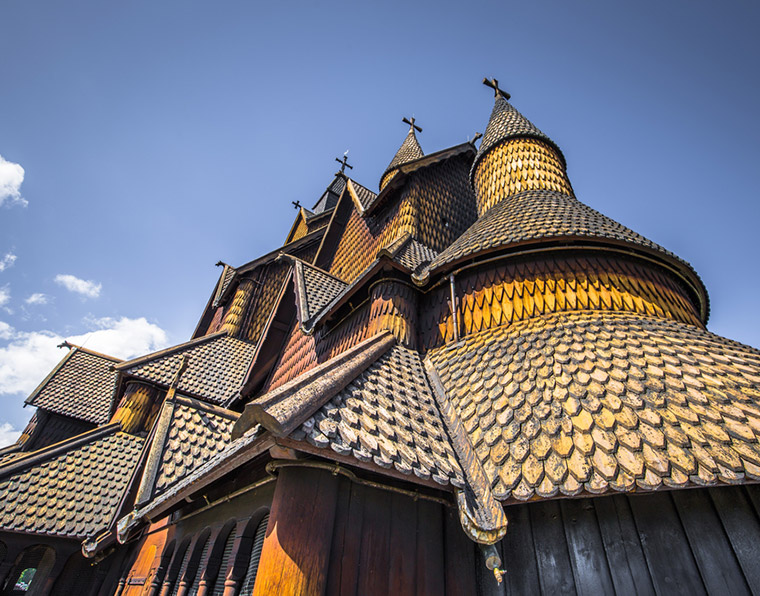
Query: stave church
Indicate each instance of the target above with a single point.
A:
(465, 382)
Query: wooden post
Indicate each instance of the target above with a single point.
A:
(296, 553)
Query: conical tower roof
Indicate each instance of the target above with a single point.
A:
(409, 151)
(507, 123)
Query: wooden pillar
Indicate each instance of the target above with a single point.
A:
(296, 553)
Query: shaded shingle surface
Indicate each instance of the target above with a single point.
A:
(195, 436)
(414, 254)
(365, 195)
(81, 388)
(320, 289)
(605, 401)
(74, 494)
(388, 416)
(537, 215)
(216, 366)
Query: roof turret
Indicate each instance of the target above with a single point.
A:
(507, 123)
(409, 151)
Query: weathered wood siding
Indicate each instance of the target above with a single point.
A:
(698, 541)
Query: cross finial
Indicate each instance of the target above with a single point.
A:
(494, 84)
(296, 204)
(410, 122)
(344, 163)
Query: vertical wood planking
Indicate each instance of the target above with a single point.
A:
(340, 528)
(349, 573)
(753, 494)
(375, 545)
(720, 570)
(627, 564)
(518, 553)
(671, 563)
(584, 543)
(740, 522)
(296, 550)
(430, 576)
(459, 564)
(554, 568)
(403, 545)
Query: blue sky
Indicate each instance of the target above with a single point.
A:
(153, 139)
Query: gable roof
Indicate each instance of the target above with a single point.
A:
(188, 433)
(315, 289)
(216, 366)
(81, 386)
(71, 489)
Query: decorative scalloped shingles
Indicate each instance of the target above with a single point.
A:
(215, 368)
(364, 194)
(82, 388)
(604, 401)
(388, 416)
(414, 254)
(195, 436)
(410, 150)
(538, 215)
(74, 494)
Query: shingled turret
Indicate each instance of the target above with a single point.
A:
(514, 156)
(409, 151)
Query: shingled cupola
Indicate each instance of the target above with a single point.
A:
(409, 151)
(514, 156)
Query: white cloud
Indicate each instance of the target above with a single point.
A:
(37, 298)
(29, 356)
(8, 434)
(7, 261)
(5, 296)
(11, 177)
(88, 289)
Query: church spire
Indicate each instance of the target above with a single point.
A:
(409, 151)
(514, 156)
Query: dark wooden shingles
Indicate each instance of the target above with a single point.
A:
(555, 570)
(430, 576)
(741, 524)
(671, 563)
(403, 545)
(720, 570)
(584, 543)
(518, 553)
(627, 564)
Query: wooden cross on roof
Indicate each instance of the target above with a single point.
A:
(296, 204)
(494, 84)
(411, 123)
(344, 163)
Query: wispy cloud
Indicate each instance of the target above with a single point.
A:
(27, 357)
(87, 288)
(37, 298)
(7, 261)
(5, 295)
(11, 178)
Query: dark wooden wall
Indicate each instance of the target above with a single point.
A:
(696, 541)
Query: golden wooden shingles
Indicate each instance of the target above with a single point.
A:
(605, 401)
(524, 289)
(516, 165)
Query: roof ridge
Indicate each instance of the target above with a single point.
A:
(77, 348)
(170, 350)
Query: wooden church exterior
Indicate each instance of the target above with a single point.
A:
(467, 383)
